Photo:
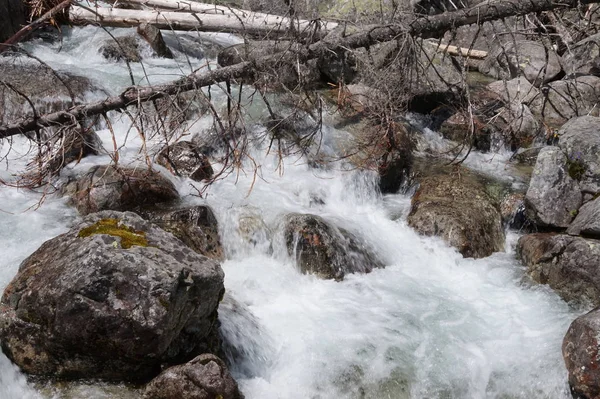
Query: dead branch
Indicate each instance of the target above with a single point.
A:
(425, 27)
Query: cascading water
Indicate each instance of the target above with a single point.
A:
(431, 324)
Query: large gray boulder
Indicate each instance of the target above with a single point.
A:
(456, 207)
(569, 265)
(196, 226)
(583, 57)
(125, 48)
(553, 196)
(109, 187)
(48, 91)
(587, 222)
(115, 298)
(580, 349)
(322, 249)
(531, 59)
(562, 100)
(204, 377)
(580, 141)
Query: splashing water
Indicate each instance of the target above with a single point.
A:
(429, 325)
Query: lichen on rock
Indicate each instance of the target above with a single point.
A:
(114, 227)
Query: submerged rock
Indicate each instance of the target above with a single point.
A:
(581, 349)
(456, 207)
(115, 298)
(553, 197)
(569, 265)
(114, 188)
(121, 49)
(204, 377)
(186, 159)
(196, 226)
(324, 250)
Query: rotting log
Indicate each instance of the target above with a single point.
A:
(254, 24)
(425, 27)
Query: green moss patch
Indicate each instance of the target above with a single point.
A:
(129, 237)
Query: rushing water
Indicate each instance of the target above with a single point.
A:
(429, 325)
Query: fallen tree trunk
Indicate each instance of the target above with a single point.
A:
(425, 27)
(254, 24)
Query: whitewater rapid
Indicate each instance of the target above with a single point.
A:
(429, 325)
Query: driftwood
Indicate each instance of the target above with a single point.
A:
(458, 51)
(26, 30)
(425, 27)
(254, 24)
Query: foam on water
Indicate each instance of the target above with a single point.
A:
(429, 325)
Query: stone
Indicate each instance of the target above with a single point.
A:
(204, 377)
(124, 48)
(581, 353)
(587, 221)
(49, 91)
(527, 156)
(152, 35)
(562, 100)
(583, 57)
(118, 188)
(454, 205)
(512, 210)
(517, 90)
(114, 298)
(196, 226)
(324, 250)
(185, 159)
(553, 196)
(569, 265)
(531, 59)
(579, 138)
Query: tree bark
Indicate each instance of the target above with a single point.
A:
(254, 24)
(425, 27)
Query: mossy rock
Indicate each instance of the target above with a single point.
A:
(113, 227)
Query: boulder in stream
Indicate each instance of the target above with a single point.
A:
(322, 249)
(455, 206)
(554, 196)
(581, 349)
(124, 48)
(204, 377)
(196, 226)
(185, 159)
(109, 187)
(587, 221)
(569, 265)
(115, 298)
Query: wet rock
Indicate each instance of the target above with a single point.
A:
(553, 197)
(512, 210)
(121, 48)
(48, 91)
(396, 159)
(580, 349)
(116, 188)
(204, 377)
(253, 230)
(580, 140)
(185, 159)
(196, 226)
(152, 35)
(527, 156)
(115, 298)
(322, 249)
(13, 15)
(583, 57)
(587, 221)
(538, 64)
(456, 207)
(562, 100)
(569, 265)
